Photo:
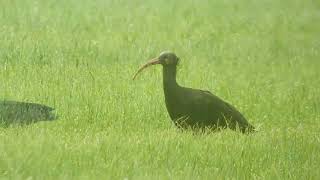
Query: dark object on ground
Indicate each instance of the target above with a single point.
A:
(13, 112)
(194, 108)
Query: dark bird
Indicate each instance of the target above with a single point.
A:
(194, 108)
(13, 112)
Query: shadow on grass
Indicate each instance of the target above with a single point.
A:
(24, 113)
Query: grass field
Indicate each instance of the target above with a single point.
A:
(79, 57)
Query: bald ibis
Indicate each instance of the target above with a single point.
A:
(194, 108)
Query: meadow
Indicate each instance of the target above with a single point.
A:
(79, 57)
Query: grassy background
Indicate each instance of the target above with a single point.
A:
(79, 57)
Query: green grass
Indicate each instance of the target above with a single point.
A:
(79, 57)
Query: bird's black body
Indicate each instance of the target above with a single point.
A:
(194, 108)
(24, 112)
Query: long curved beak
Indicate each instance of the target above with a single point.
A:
(150, 63)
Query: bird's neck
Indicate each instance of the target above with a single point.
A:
(169, 78)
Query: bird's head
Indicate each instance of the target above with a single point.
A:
(168, 58)
(165, 58)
